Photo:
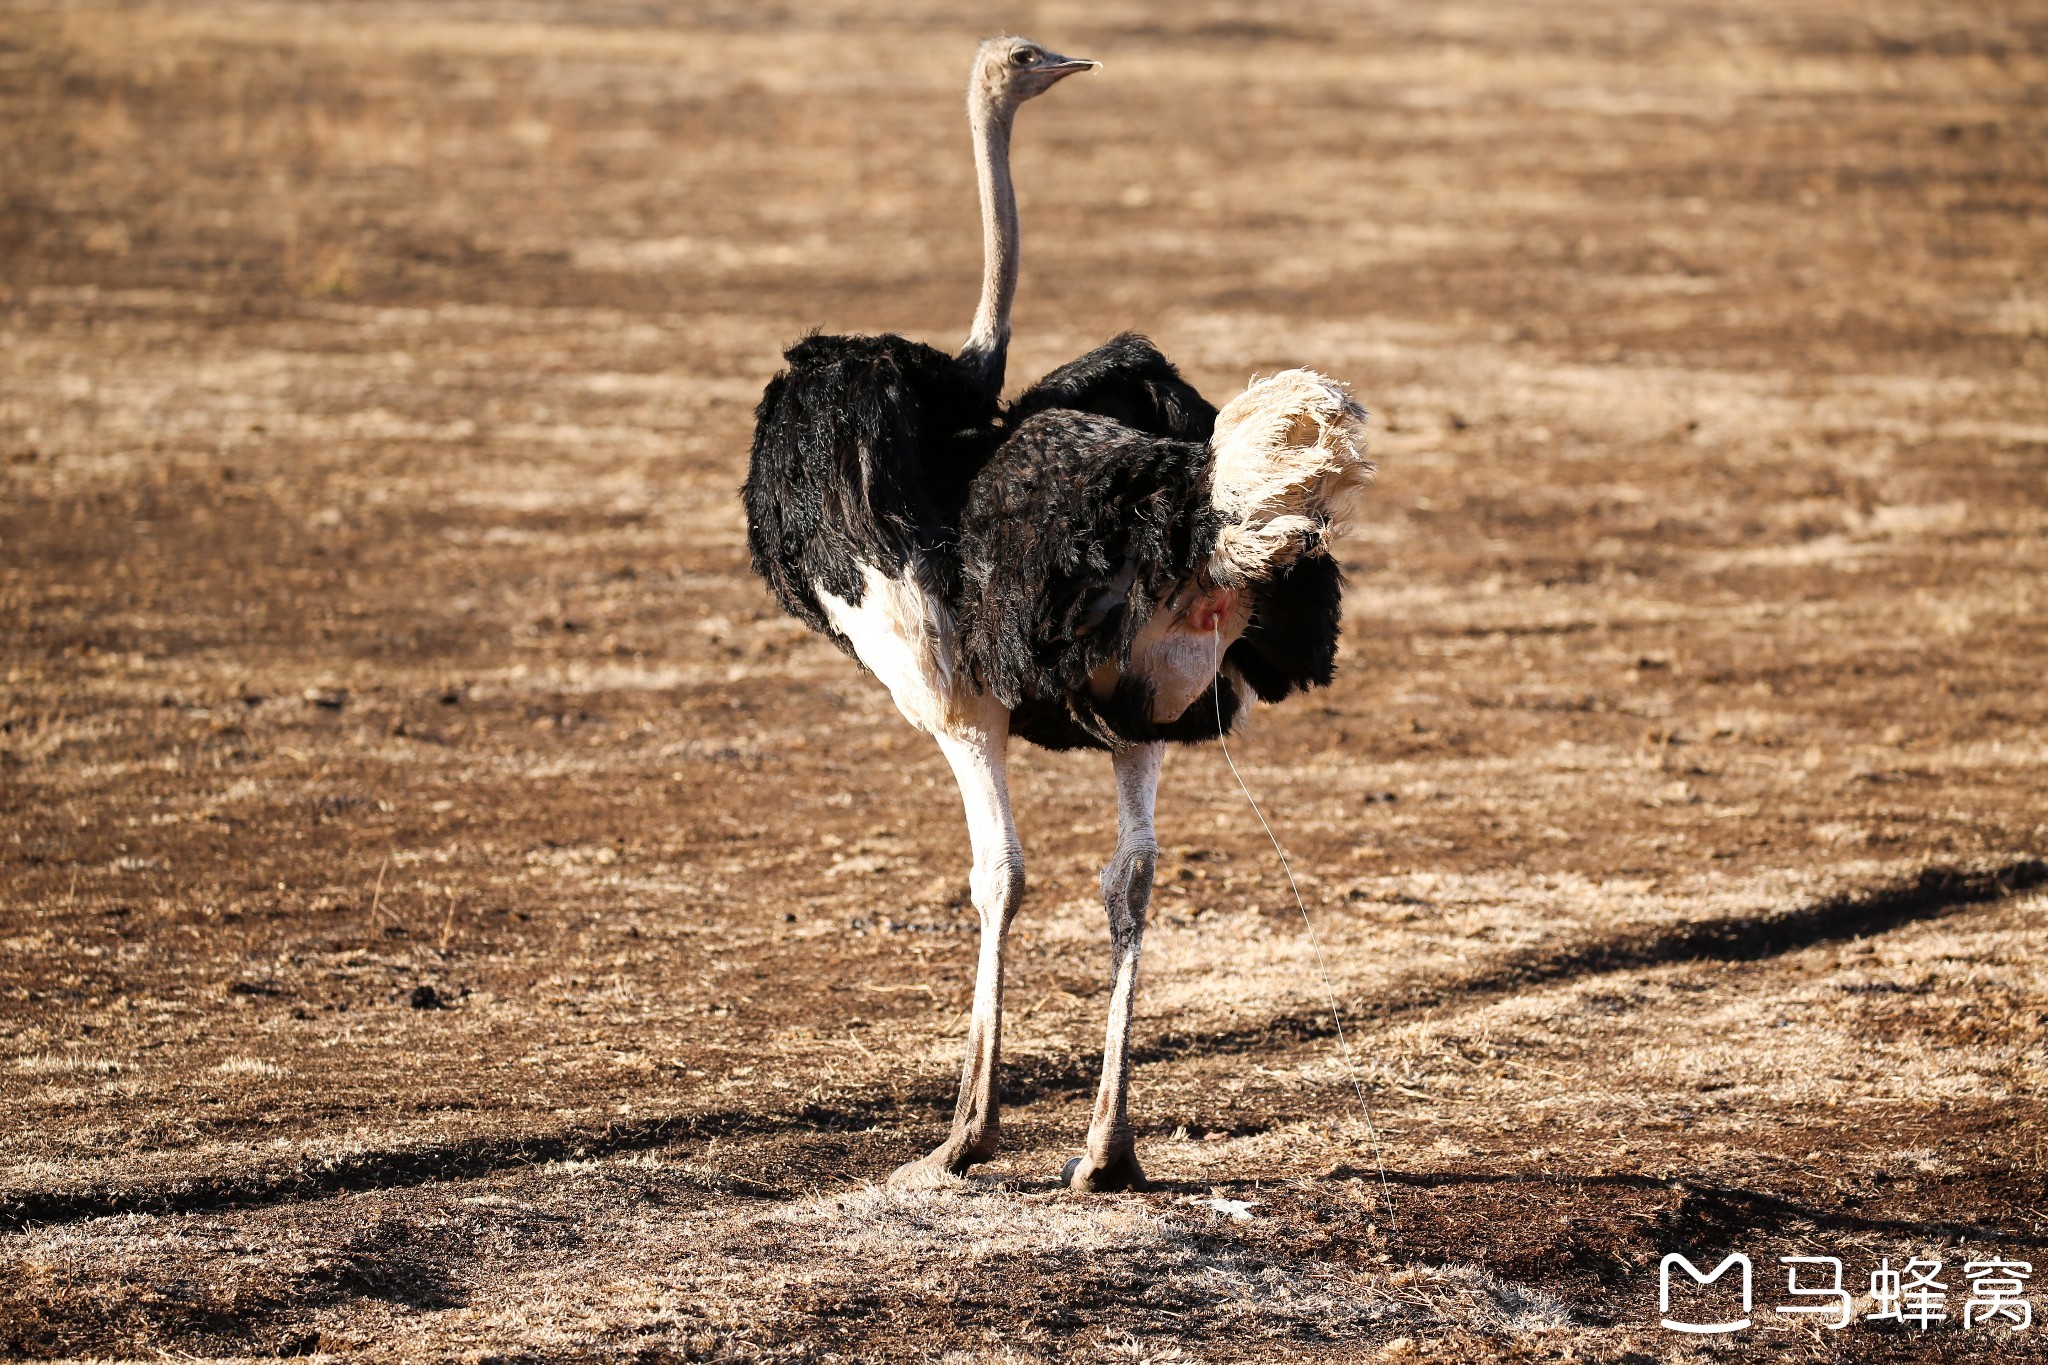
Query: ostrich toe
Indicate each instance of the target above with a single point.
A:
(1092, 1176)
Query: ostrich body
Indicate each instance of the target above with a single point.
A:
(1069, 569)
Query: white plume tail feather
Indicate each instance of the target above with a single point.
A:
(1290, 472)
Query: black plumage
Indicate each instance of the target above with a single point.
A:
(1127, 380)
(1052, 529)
(864, 448)
(1077, 530)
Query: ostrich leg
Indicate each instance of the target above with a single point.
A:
(997, 885)
(1111, 1162)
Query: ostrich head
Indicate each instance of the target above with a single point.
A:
(1008, 71)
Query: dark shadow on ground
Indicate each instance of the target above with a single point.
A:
(1935, 892)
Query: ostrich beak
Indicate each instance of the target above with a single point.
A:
(1059, 68)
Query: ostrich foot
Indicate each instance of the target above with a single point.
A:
(1092, 1175)
(942, 1166)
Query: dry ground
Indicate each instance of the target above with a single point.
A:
(377, 631)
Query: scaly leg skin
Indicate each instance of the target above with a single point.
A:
(1111, 1162)
(997, 884)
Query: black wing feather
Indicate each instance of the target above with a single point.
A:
(864, 448)
(1075, 530)
(1129, 381)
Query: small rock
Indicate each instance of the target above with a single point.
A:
(427, 998)
(331, 698)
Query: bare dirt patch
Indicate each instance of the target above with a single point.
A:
(445, 911)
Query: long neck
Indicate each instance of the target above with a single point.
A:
(988, 341)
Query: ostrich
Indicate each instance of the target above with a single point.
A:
(1080, 569)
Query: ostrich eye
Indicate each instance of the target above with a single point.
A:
(1023, 56)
